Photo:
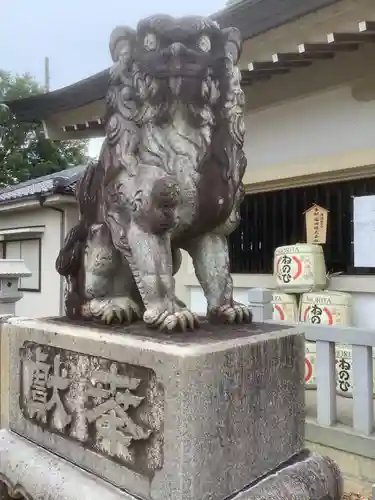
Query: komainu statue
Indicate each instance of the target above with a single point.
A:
(169, 177)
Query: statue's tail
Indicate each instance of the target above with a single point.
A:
(69, 260)
(88, 194)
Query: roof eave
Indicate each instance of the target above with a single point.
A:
(26, 202)
(254, 17)
(251, 17)
(39, 107)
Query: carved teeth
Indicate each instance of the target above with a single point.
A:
(175, 83)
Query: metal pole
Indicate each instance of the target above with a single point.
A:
(46, 74)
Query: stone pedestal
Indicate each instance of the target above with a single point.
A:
(192, 416)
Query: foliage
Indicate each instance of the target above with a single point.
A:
(25, 152)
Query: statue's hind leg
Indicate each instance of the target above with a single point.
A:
(211, 262)
(111, 293)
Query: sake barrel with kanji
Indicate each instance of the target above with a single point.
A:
(326, 308)
(299, 268)
(344, 368)
(310, 359)
(284, 307)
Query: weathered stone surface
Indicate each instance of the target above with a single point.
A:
(33, 473)
(313, 478)
(189, 416)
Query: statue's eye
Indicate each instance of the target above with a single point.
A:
(204, 43)
(150, 42)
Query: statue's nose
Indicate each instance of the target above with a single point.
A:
(177, 48)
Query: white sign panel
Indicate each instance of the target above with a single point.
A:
(364, 231)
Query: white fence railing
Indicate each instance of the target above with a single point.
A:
(360, 439)
(362, 343)
(356, 435)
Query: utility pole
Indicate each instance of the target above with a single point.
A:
(46, 74)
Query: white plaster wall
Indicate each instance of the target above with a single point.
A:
(322, 125)
(364, 310)
(46, 302)
(198, 303)
(71, 216)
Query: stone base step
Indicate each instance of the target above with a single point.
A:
(29, 471)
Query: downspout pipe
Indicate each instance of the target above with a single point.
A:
(42, 199)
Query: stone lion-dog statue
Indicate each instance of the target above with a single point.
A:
(169, 177)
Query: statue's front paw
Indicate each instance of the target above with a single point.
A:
(234, 313)
(121, 309)
(181, 320)
(114, 310)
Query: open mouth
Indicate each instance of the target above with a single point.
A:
(175, 73)
(177, 68)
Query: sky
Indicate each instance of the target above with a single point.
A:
(74, 34)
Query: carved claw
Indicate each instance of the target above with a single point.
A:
(116, 309)
(236, 313)
(124, 310)
(181, 320)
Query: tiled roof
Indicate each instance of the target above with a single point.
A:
(61, 182)
(253, 17)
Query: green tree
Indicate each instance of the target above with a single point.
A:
(25, 152)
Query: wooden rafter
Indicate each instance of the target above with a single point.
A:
(248, 77)
(281, 65)
(77, 127)
(366, 26)
(307, 53)
(350, 38)
(297, 57)
(311, 48)
(265, 67)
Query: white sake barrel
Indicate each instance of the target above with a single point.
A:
(326, 308)
(329, 308)
(299, 268)
(310, 358)
(323, 308)
(284, 307)
(344, 368)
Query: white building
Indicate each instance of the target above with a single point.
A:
(35, 216)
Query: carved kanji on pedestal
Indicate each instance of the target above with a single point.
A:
(112, 397)
(43, 377)
(88, 399)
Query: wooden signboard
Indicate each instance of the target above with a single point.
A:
(316, 225)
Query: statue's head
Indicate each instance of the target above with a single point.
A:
(179, 53)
